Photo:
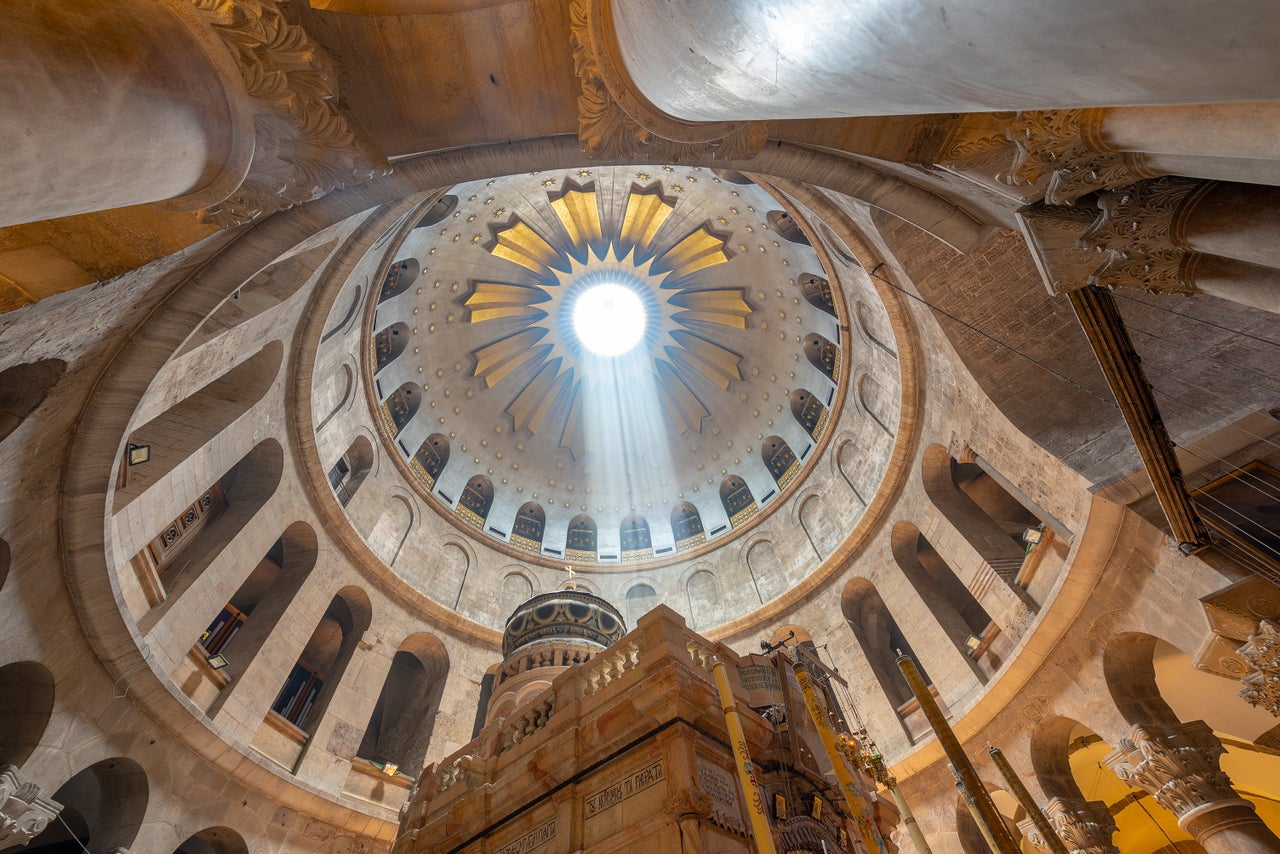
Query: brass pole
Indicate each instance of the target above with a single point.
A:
(908, 818)
(1004, 842)
(746, 768)
(857, 806)
(1028, 803)
(983, 827)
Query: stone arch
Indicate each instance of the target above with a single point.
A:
(786, 227)
(529, 527)
(845, 467)
(26, 704)
(344, 383)
(213, 840)
(310, 685)
(401, 405)
(430, 459)
(640, 598)
(23, 388)
(1051, 758)
(164, 568)
(874, 331)
(994, 501)
(477, 498)
(817, 292)
(961, 616)
(581, 541)
(879, 637)
(6, 559)
(815, 521)
(1128, 665)
(349, 472)
(635, 539)
(992, 543)
(404, 716)
(102, 806)
(739, 504)
(686, 526)
(823, 354)
(348, 316)
(780, 460)
(970, 836)
(516, 590)
(185, 428)
(399, 278)
(389, 344)
(435, 214)
(394, 524)
(766, 569)
(241, 629)
(873, 400)
(706, 608)
(809, 412)
(451, 572)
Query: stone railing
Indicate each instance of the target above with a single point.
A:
(610, 666)
(533, 718)
(544, 655)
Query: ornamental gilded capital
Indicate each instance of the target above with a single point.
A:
(1085, 827)
(24, 811)
(1177, 764)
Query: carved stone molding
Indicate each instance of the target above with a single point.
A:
(1085, 827)
(24, 812)
(1139, 235)
(304, 146)
(1177, 765)
(616, 121)
(687, 803)
(1067, 146)
(1262, 653)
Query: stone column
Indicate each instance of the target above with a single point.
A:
(24, 811)
(795, 59)
(1178, 764)
(1085, 827)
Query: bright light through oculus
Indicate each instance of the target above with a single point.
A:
(608, 319)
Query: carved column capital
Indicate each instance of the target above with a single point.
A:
(1067, 146)
(687, 803)
(24, 811)
(1177, 765)
(304, 145)
(1139, 234)
(1262, 654)
(616, 121)
(1085, 827)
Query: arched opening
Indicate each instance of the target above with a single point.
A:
(852, 469)
(185, 428)
(995, 545)
(875, 326)
(766, 570)
(337, 394)
(477, 498)
(686, 526)
(389, 344)
(392, 528)
(400, 727)
(875, 402)
(641, 599)
(351, 469)
(637, 544)
(348, 315)
(786, 227)
(402, 274)
(823, 355)
(6, 557)
(962, 617)
(26, 704)
(23, 388)
(705, 605)
(516, 590)
(809, 412)
(435, 214)
(234, 638)
(881, 640)
(1010, 811)
(818, 526)
(581, 543)
(214, 840)
(168, 565)
(817, 292)
(739, 504)
(430, 459)
(780, 460)
(529, 527)
(400, 406)
(102, 810)
(301, 702)
(995, 502)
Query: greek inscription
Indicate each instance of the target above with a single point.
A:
(633, 784)
(534, 839)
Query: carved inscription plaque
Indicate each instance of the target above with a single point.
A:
(533, 840)
(632, 784)
(720, 786)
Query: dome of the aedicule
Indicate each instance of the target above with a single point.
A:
(543, 437)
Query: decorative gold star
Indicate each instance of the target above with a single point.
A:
(548, 182)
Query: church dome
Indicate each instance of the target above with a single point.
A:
(563, 615)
